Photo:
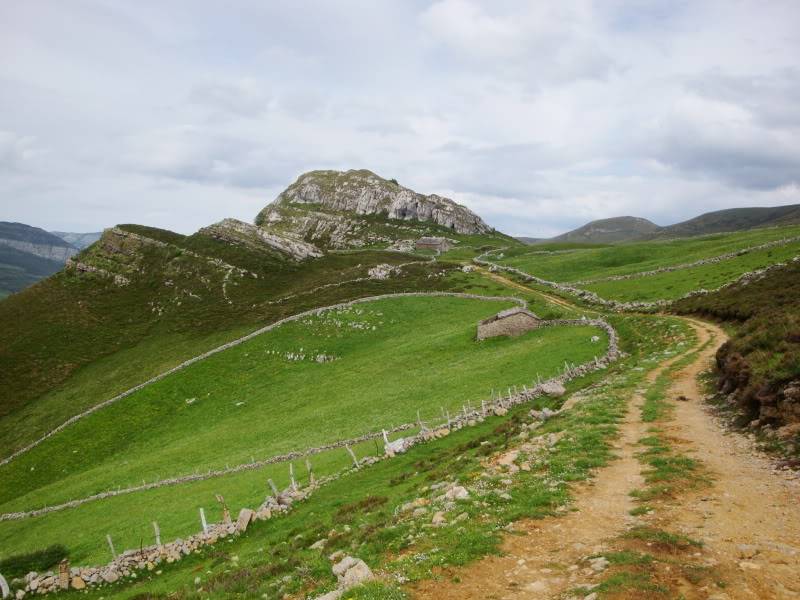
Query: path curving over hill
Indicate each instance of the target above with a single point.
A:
(747, 519)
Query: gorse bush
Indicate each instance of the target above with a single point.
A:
(20, 565)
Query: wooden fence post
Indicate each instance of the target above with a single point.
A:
(111, 545)
(226, 514)
(203, 520)
(310, 472)
(353, 456)
(292, 482)
(158, 534)
(273, 487)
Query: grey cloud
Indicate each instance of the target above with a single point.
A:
(772, 98)
(540, 115)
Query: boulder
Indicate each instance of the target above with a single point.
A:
(553, 388)
(245, 516)
(78, 583)
(351, 571)
(456, 492)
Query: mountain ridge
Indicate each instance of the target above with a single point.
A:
(629, 229)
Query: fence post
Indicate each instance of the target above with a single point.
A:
(353, 456)
(292, 482)
(273, 487)
(203, 520)
(111, 545)
(226, 514)
(63, 574)
(158, 534)
(5, 592)
(310, 472)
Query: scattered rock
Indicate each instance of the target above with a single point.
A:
(78, 583)
(351, 571)
(553, 388)
(457, 492)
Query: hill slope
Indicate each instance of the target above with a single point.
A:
(760, 366)
(616, 229)
(628, 229)
(734, 219)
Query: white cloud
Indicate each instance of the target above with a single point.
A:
(538, 115)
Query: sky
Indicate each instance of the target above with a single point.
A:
(539, 116)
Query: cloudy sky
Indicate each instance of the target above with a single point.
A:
(538, 115)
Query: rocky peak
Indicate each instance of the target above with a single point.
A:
(361, 193)
(237, 232)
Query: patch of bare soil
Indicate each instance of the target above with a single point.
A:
(749, 518)
(540, 557)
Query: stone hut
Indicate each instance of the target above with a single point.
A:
(439, 244)
(511, 322)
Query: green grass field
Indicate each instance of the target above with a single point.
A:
(579, 264)
(674, 284)
(274, 558)
(391, 358)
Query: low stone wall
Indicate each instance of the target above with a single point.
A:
(129, 562)
(698, 263)
(262, 330)
(592, 298)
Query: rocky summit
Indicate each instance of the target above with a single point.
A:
(356, 208)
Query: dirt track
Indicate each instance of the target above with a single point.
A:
(748, 518)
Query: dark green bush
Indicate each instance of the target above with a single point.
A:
(20, 565)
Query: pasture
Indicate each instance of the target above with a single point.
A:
(328, 377)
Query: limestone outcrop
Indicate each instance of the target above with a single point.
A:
(238, 232)
(333, 208)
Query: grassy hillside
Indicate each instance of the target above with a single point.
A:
(77, 338)
(763, 355)
(615, 229)
(357, 513)
(734, 219)
(674, 284)
(589, 263)
(19, 270)
(391, 358)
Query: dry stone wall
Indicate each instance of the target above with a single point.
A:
(698, 263)
(146, 559)
(270, 327)
(615, 305)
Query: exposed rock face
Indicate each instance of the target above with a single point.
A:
(326, 206)
(239, 232)
(57, 253)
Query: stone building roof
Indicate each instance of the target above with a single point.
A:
(431, 240)
(508, 313)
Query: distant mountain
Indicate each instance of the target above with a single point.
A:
(529, 240)
(629, 229)
(79, 240)
(20, 269)
(28, 254)
(615, 229)
(35, 241)
(734, 219)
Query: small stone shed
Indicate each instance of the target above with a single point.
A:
(439, 244)
(511, 322)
